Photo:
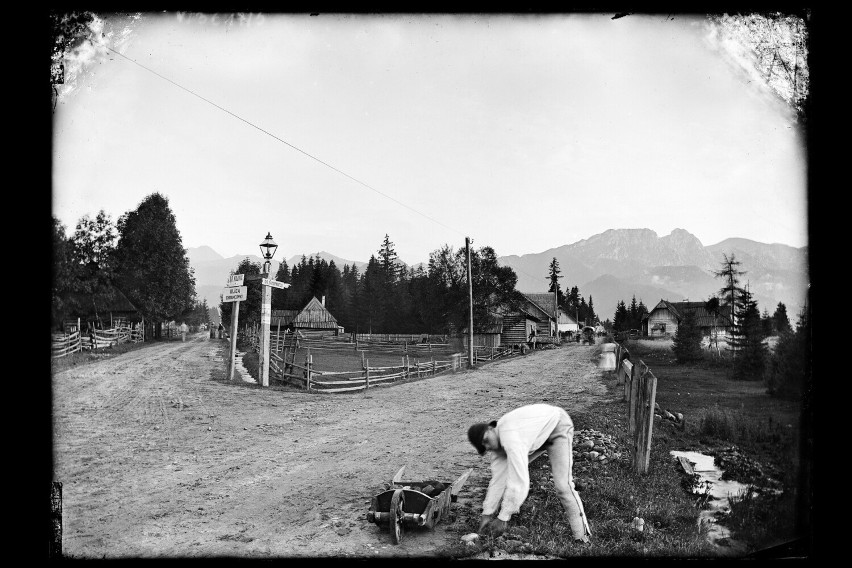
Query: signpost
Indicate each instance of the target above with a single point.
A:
(234, 294)
(274, 283)
(265, 320)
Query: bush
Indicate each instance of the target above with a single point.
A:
(787, 367)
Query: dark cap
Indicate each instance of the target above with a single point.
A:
(476, 432)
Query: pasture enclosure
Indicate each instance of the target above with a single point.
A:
(336, 363)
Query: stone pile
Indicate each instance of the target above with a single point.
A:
(674, 417)
(593, 447)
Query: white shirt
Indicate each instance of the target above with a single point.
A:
(522, 431)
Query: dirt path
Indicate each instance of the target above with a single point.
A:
(242, 471)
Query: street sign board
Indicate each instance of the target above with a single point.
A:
(253, 277)
(235, 280)
(274, 283)
(235, 294)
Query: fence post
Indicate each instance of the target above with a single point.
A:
(407, 367)
(308, 365)
(433, 364)
(632, 387)
(366, 373)
(645, 399)
(402, 368)
(417, 362)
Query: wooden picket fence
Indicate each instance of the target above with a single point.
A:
(640, 392)
(64, 344)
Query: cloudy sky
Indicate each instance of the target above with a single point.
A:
(522, 132)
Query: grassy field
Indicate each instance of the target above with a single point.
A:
(719, 414)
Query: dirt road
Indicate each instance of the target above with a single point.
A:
(159, 457)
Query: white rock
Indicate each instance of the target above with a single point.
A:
(470, 538)
(638, 524)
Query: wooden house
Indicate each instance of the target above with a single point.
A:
(566, 322)
(665, 317)
(313, 317)
(517, 326)
(541, 306)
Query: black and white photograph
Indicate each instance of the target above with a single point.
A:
(446, 286)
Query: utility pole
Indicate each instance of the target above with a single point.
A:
(470, 301)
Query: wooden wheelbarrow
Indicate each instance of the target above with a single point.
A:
(410, 504)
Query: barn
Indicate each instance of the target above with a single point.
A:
(100, 310)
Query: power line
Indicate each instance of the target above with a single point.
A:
(283, 141)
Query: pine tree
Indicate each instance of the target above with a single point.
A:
(620, 319)
(730, 273)
(553, 276)
(781, 322)
(747, 340)
(686, 343)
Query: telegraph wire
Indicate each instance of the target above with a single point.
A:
(283, 141)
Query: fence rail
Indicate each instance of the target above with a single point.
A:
(63, 344)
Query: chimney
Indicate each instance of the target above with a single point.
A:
(323, 301)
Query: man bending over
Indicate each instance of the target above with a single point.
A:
(516, 439)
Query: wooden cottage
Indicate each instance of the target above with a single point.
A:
(566, 322)
(517, 326)
(313, 317)
(665, 317)
(541, 306)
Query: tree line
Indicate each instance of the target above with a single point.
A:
(141, 255)
(387, 296)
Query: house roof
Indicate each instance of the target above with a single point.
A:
(534, 306)
(313, 313)
(543, 300)
(702, 316)
(109, 299)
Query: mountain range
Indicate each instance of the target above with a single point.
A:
(615, 265)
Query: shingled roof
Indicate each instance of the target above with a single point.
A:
(702, 317)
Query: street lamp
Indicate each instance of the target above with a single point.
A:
(268, 248)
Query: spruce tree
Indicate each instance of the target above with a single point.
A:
(686, 343)
(747, 339)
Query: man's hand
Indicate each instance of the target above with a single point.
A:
(497, 527)
(484, 521)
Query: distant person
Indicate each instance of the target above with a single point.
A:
(221, 330)
(183, 329)
(513, 441)
(532, 339)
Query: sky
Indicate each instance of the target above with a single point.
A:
(523, 133)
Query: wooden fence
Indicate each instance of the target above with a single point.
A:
(416, 360)
(63, 344)
(640, 392)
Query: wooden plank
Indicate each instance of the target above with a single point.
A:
(686, 465)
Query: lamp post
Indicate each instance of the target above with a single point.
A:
(267, 248)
